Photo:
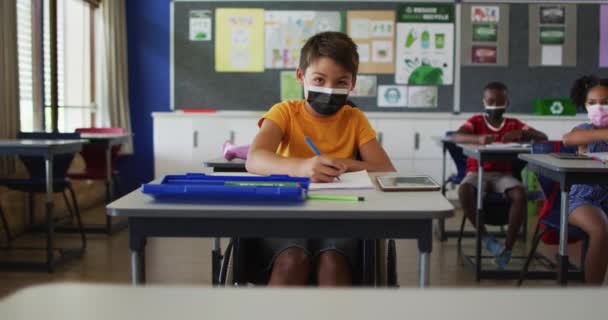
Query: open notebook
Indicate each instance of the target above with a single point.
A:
(349, 180)
(601, 156)
(497, 145)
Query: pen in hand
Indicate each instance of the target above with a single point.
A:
(315, 149)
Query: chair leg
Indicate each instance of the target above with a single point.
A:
(30, 200)
(83, 235)
(68, 206)
(461, 233)
(535, 242)
(585, 244)
(7, 229)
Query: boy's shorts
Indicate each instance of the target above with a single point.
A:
(493, 181)
(312, 247)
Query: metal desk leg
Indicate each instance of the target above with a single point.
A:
(424, 270)
(478, 220)
(50, 221)
(137, 245)
(137, 268)
(216, 262)
(562, 277)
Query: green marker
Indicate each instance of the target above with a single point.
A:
(336, 198)
(261, 184)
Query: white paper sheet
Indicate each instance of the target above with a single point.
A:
(551, 56)
(349, 180)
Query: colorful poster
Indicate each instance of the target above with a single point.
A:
(425, 44)
(290, 87)
(374, 33)
(552, 15)
(552, 34)
(365, 86)
(287, 31)
(484, 54)
(238, 35)
(485, 32)
(200, 25)
(422, 97)
(485, 14)
(604, 36)
(392, 96)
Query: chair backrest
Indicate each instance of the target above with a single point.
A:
(460, 160)
(95, 155)
(551, 209)
(35, 164)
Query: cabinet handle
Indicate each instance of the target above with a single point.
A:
(232, 136)
(380, 137)
(417, 141)
(195, 139)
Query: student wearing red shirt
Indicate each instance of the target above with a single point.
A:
(485, 129)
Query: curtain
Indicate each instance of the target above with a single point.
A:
(113, 99)
(9, 81)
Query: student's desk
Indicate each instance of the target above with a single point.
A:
(47, 149)
(223, 165)
(107, 140)
(102, 302)
(445, 142)
(483, 154)
(567, 173)
(406, 215)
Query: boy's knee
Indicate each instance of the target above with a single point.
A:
(466, 190)
(517, 195)
(332, 262)
(292, 260)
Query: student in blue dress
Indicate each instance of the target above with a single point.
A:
(588, 208)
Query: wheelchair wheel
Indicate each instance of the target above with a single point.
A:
(391, 264)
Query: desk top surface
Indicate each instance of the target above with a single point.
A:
(27, 146)
(377, 205)
(223, 163)
(118, 302)
(565, 165)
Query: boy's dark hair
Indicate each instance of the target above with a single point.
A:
(496, 86)
(582, 85)
(335, 45)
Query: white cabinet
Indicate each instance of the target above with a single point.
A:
(243, 130)
(173, 145)
(210, 134)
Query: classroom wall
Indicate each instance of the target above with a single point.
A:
(148, 54)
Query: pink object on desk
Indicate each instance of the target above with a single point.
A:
(232, 151)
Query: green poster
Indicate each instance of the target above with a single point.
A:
(426, 12)
(552, 34)
(290, 88)
(485, 32)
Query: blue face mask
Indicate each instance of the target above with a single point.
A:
(326, 101)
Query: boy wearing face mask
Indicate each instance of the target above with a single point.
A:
(327, 72)
(486, 128)
(588, 206)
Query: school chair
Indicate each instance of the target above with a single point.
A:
(243, 264)
(94, 155)
(6, 227)
(36, 183)
(548, 225)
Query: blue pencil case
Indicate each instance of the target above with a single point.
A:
(202, 187)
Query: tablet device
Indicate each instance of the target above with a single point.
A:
(407, 183)
(569, 156)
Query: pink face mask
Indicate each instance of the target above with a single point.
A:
(598, 115)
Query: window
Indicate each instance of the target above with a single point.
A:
(75, 61)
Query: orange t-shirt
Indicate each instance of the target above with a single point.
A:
(339, 135)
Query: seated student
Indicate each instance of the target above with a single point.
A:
(588, 207)
(484, 129)
(345, 138)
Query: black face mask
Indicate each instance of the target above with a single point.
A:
(326, 101)
(495, 113)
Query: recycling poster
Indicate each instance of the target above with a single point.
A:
(425, 44)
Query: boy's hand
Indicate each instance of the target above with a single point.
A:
(486, 139)
(513, 136)
(322, 169)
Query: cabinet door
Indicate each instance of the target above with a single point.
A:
(243, 130)
(426, 134)
(430, 167)
(404, 166)
(209, 136)
(397, 138)
(173, 145)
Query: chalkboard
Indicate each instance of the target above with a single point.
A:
(526, 83)
(197, 85)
